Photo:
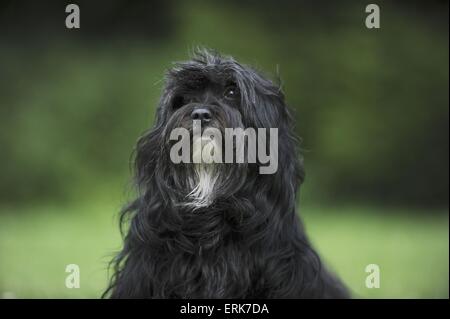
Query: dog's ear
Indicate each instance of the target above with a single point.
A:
(149, 147)
(280, 189)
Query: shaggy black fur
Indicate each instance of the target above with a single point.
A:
(247, 241)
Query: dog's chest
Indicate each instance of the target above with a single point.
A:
(220, 273)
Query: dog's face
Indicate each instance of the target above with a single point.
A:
(218, 93)
(211, 98)
(221, 93)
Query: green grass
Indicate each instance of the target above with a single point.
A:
(411, 249)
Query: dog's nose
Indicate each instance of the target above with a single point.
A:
(202, 114)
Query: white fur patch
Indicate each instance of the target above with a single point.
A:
(206, 172)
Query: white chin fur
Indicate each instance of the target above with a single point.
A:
(206, 173)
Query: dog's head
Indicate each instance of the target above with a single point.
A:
(212, 93)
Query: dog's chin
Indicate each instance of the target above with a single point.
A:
(206, 173)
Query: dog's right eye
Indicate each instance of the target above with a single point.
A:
(178, 102)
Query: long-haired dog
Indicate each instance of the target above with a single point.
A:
(217, 230)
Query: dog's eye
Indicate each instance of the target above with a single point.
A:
(178, 102)
(231, 92)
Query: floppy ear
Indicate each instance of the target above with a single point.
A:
(290, 174)
(149, 149)
(271, 111)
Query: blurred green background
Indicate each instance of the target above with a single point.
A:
(370, 105)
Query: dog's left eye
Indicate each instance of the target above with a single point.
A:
(231, 92)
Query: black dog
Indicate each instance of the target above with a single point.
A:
(239, 236)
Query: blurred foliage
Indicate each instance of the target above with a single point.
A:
(370, 105)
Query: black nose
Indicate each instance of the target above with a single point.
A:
(202, 114)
